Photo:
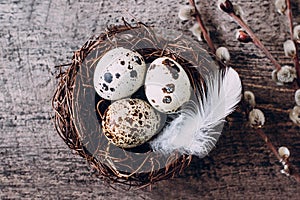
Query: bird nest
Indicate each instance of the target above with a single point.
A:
(78, 114)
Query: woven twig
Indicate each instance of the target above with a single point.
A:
(75, 85)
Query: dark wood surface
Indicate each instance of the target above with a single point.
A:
(35, 163)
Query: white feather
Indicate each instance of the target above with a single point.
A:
(198, 125)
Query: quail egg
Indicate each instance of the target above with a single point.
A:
(119, 73)
(128, 123)
(167, 85)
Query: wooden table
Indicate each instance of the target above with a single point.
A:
(35, 163)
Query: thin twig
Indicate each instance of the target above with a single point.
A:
(202, 27)
(290, 17)
(255, 39)
(269, 143)
(296, 57)
(296, 63)
(292, 171)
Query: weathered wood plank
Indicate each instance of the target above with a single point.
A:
(35, 163)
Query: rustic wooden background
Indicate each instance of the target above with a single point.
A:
(35, 163)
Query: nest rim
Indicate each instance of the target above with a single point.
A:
(64, 120)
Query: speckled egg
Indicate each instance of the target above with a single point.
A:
(129, 123)
(119, 73)
(167, 85)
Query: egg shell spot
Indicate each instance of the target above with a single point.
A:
(130, 122)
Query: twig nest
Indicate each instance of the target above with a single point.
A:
(256, 118)
(129, 123)
(144, 86)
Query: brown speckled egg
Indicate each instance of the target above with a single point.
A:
(129, 122)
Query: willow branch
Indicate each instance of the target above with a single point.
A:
(293, 173)
(202, 27)
(255, 39)
(296, 57)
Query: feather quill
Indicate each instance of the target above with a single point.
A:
(198, 125)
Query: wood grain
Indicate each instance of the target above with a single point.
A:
(35, 163)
